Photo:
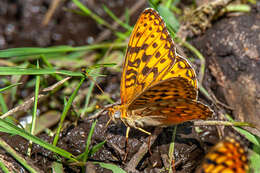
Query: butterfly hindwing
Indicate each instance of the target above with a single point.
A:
(171, 112)
(172, 88)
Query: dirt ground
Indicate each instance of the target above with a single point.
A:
(232, 55)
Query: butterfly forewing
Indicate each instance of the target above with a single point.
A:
(151, 58)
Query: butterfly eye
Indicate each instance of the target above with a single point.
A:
(117, 114)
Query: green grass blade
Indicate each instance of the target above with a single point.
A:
(30, 51)
(255, 160)
(57, 167)
(153, 4)
(3, 105)
(121, 36)
(95, 148)
(65, 111)
(252, 138)
(255, 157)
(127, 16)
(7, 131)
(116, 19)
(238, 8)
(171, 148)
(16, 79)
(3, 167)
(90, 89)
(49, 65)
(18, 157)
(168, 4)
(60, 56)
(112, 167)
(37, 88)
(34, 71)
(34, 116)
(8, 87)
(88, 12)
(169, 18)
(93, 67)
(87, 150)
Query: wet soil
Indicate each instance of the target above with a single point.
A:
(230, 47)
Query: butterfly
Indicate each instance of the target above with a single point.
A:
(227, 156)
(158, 86)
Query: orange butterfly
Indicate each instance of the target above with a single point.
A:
(158, 86)
(227, 156)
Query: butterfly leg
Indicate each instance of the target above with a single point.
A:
(149, 144)
(108, 122)
(126, 141)
(127, 135)
(149, 139)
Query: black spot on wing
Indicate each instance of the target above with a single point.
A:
(146, 58)
(158, 54)
(155, 45)
(131, 71)
(145, 70)
(135, 63)
(162, 60)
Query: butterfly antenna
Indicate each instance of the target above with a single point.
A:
(84, 71)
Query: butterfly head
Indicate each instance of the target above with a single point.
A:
(114, 113)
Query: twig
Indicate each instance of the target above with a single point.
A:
(212, 97)
(51, 10)
(183, 160)
(115, 147)
(27, 104)
(142, 151)
(219, 102)
(51, 88)
(220, 123)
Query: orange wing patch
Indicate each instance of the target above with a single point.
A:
(151, 58)
(228, 156)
